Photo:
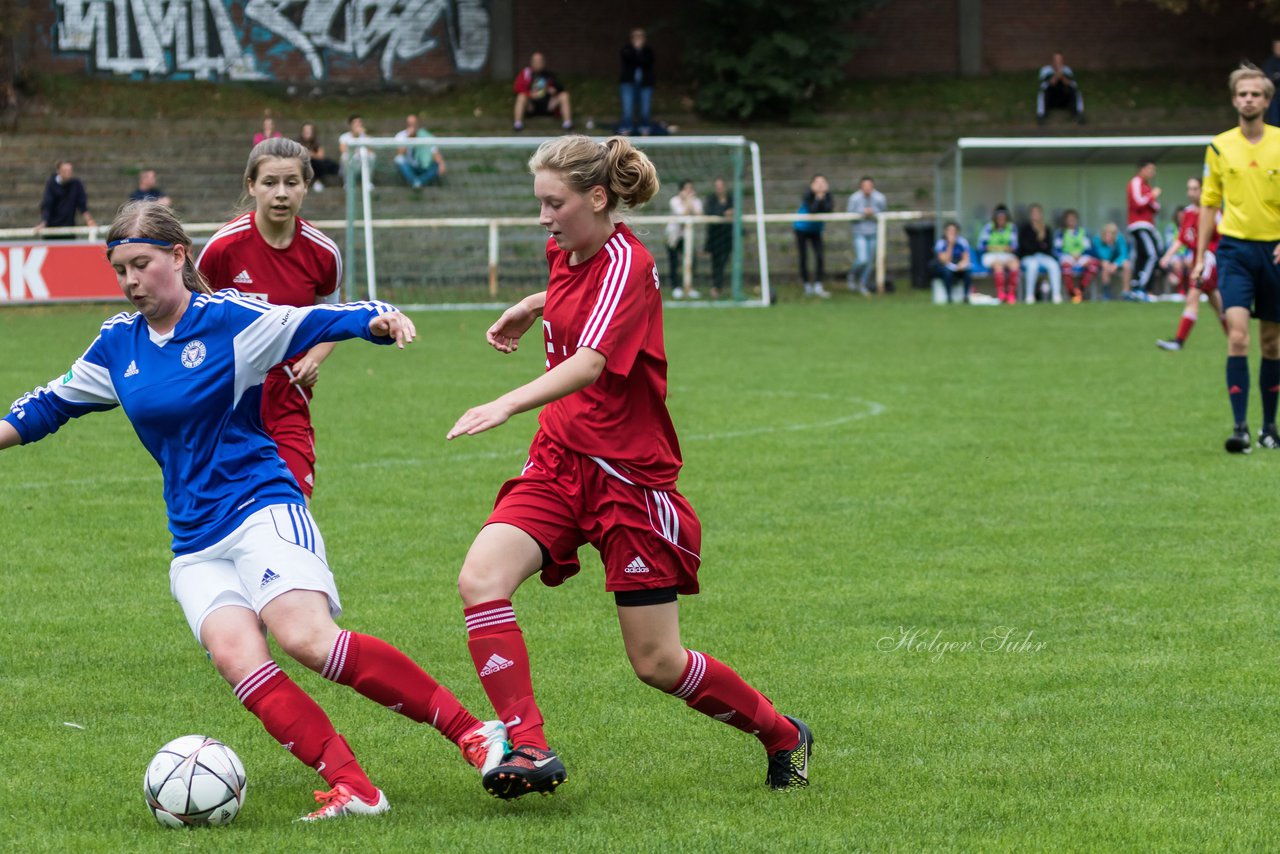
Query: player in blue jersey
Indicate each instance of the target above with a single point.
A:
(188, 368)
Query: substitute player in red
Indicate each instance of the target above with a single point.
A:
(1188, 229)
(602, 470)
(275, 255)
(1144, 204)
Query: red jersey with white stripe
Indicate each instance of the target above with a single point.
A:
(1189, 224)
(611, 303)
(238, 257)
(1142, 202)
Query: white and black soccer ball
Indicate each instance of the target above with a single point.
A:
(194, 780)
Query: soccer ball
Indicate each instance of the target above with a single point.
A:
(194, 780)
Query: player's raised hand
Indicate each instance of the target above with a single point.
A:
(504, 336)
(480, 418)
(394, 325)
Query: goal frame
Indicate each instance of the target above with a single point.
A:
(358, 178)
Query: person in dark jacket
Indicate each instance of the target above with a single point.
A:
(809, 234)
(1035, 248)
(64, 197)
(636, 84)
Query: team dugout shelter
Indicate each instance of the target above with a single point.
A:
(1087, 174)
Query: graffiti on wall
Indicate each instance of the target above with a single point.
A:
(200, 38)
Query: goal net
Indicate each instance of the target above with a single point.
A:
(472, 236)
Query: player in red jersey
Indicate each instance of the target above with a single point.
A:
(275, 255)
(1144, 204)
(1188, 228)
(602, 470)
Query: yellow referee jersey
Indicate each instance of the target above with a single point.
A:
(1245, 180)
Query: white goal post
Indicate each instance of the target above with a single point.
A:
(487, 190)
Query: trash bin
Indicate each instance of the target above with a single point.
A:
(920, 237)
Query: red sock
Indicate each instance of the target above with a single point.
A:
(296, 721)
(498, 650)
(1184, 327)
(998, 275)
(1013, 285)
(387, 676)
(715, 690)
(1085, 276)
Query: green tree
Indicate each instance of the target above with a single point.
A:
(766, 58)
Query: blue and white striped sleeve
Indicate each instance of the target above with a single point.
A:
(271, 334)
(85, 388)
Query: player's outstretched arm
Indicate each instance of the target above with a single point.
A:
(504, 336)
(395, 326)
(9, 437)
(577, 372)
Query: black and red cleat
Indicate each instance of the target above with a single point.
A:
(525, 769)
(789, 769)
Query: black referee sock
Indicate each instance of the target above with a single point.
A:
(1269, 380)
(1238, 387)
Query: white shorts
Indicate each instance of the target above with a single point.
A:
(275, 550)
(990, 259)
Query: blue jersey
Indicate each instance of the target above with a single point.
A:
(194, 397)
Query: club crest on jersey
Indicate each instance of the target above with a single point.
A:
(193, 354)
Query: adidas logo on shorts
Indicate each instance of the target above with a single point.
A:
(267, 578)
(636, 565)
(494, 664)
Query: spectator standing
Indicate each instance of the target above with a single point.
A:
(869, 202)
(953, 259)
(1035, 247)
(683, 203)
(635, 86)
(1112, 252)
(148, 191)
(809, 234)
(322, 166)
(998, 243)
(418, 164)
(719, 236)
(539, 93)
(1058, 91)
(1073, 245)
(1271, 68)
(268, 130)
(1144, 204)
(64, 197)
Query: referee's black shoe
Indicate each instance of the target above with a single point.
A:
(1268, 437)
(789, 769)
(1238, 442)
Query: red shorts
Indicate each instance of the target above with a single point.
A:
(1208, 277)
(647, 538)
(286, 416)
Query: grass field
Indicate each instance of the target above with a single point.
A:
(862, 470)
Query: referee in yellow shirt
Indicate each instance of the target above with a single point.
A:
(1242, 175)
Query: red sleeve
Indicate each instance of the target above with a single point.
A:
(332, 279)
(619, 319)
(523, 80)
(210, 264)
